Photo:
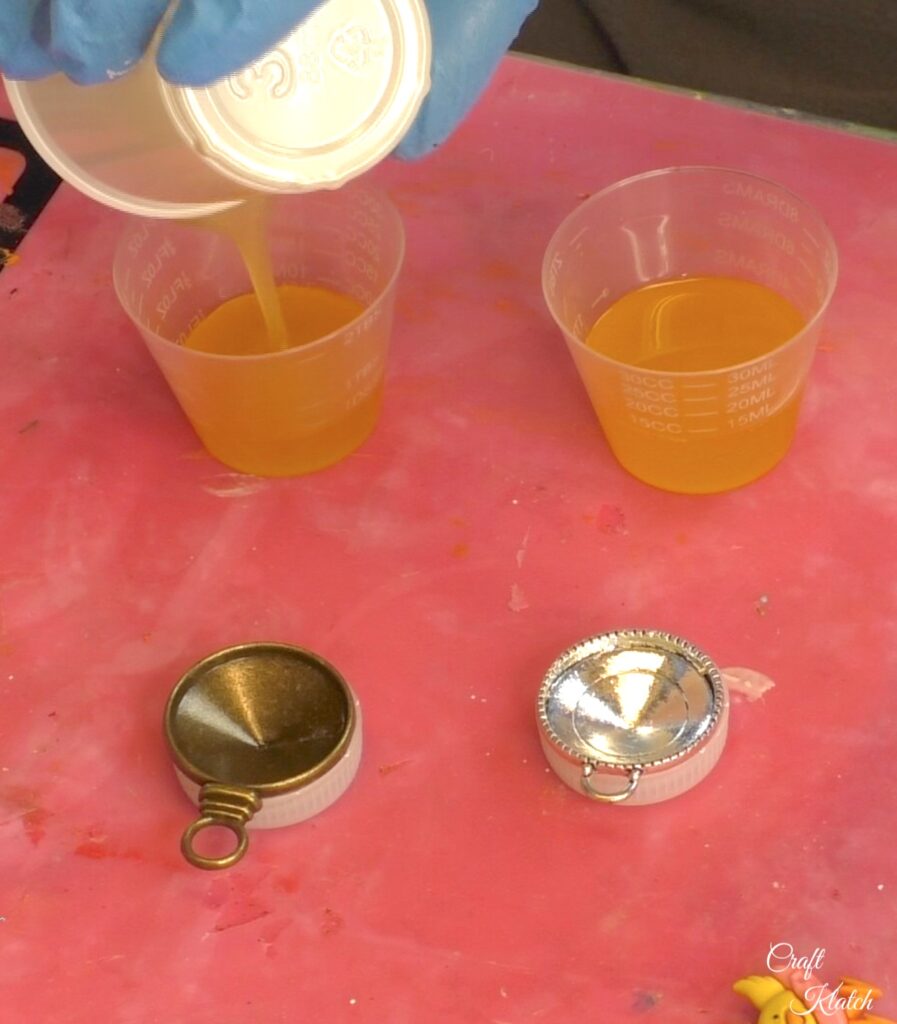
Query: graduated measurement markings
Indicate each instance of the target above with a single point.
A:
(698, 394)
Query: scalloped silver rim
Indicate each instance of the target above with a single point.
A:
(573, 655)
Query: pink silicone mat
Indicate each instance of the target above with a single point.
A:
(483, 529)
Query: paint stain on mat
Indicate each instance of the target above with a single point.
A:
(33, 821)
(332, 922)
(747, 682)
(611, 519)
(233, 485)
(645, 1002)
(98, 847)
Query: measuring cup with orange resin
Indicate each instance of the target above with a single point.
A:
(335, 258)
(691, 301)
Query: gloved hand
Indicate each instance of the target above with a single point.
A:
(94, 40)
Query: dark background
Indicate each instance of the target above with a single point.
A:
(836, 58)
(32, 191)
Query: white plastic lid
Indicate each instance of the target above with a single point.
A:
(328, 103)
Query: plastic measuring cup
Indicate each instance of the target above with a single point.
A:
(287, 412)
(692, 432)
(332, 99)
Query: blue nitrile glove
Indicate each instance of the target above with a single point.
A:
(94, 40)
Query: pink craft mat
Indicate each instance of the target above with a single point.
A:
(481, 530)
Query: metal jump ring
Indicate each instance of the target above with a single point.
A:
(214, 863)
(608, 798)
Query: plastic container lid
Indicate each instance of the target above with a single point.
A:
(328, 103)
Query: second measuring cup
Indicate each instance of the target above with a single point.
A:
(286, 412)
(692, 431)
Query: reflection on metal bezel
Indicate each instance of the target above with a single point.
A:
(181, 739)
(605, 643)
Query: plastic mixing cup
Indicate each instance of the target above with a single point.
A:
(710, 430)
(333, 98)
(286, 412)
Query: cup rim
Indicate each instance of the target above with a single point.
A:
(20, 93)
(311, 346)
(595, 198)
